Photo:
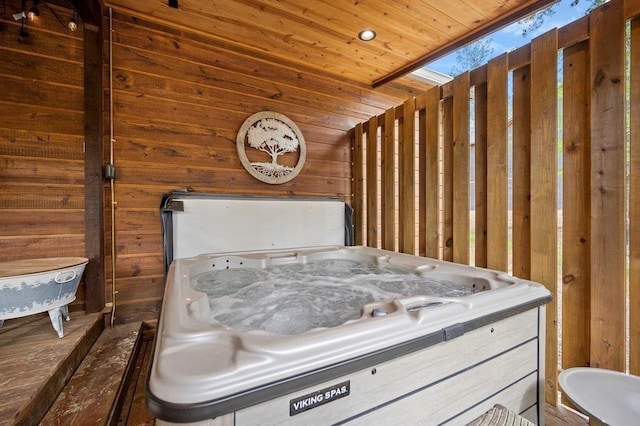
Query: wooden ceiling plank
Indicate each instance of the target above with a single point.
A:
(462, 11)
(321, 35)
(331, 17)
(455, 44)
(280, 45)
(262, 18)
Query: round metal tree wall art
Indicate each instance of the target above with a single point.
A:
(278, 149)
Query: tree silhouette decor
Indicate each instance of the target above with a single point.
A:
(278, 143)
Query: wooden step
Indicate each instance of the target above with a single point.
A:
(94, 393)
(133, 410)
(35, 364)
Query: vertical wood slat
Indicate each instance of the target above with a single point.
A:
(432, 246)
(521, 224)
(447, 184)
(461, 168)
(357, 197)
(634, 202)
(481, 173)
(372, 182)
(497, 219)
(575, 207)
(388, 180)
(607, 187)
(406, 170)
(544, 256)
(422, 182)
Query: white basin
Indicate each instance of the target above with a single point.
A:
(606, 396)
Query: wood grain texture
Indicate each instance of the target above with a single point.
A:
(497, 215)
(91, 392)
(634, 201)
(607, 187)
(94, 149)
(35, 363)
(41, 138)
(461, 162)
(388, 165)
(421, 168)
(406, 179)
(433, 168)
(321, 37)
(179, 99)
(576, 241)
(521, 221)
(447, 183)
(481, 174)
(372, 171)
(544, 172)
(358, 171)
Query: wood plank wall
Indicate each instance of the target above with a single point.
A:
(179, 100)
(41, 137)
(597, 268)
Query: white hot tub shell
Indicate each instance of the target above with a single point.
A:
(437, 358)
(258, 331)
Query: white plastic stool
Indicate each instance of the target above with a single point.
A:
(608, 397)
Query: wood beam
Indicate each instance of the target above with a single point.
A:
(90, 11)
(93, 160)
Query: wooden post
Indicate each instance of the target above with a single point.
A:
(94, 162)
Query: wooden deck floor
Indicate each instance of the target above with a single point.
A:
(35, 363)
(30, 353)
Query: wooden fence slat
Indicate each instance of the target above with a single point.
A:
(461, 164)
(607, 187)
(447, 183)
(481, 173)
(432, 191)
(544, 175)
(521, 224)
(497, 219)
(406, 170)
(575, 207)
(422, 182)
(357, 197)
(594, 183)
(372, 183)
(388, 181)
(634, 203)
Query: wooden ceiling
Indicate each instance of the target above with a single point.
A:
(322, 34)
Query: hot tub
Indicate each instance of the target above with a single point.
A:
(336, 334)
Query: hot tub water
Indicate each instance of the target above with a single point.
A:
(297, 297)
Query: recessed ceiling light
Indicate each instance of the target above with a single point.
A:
(367, 35)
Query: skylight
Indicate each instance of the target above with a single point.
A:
(510, 37)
